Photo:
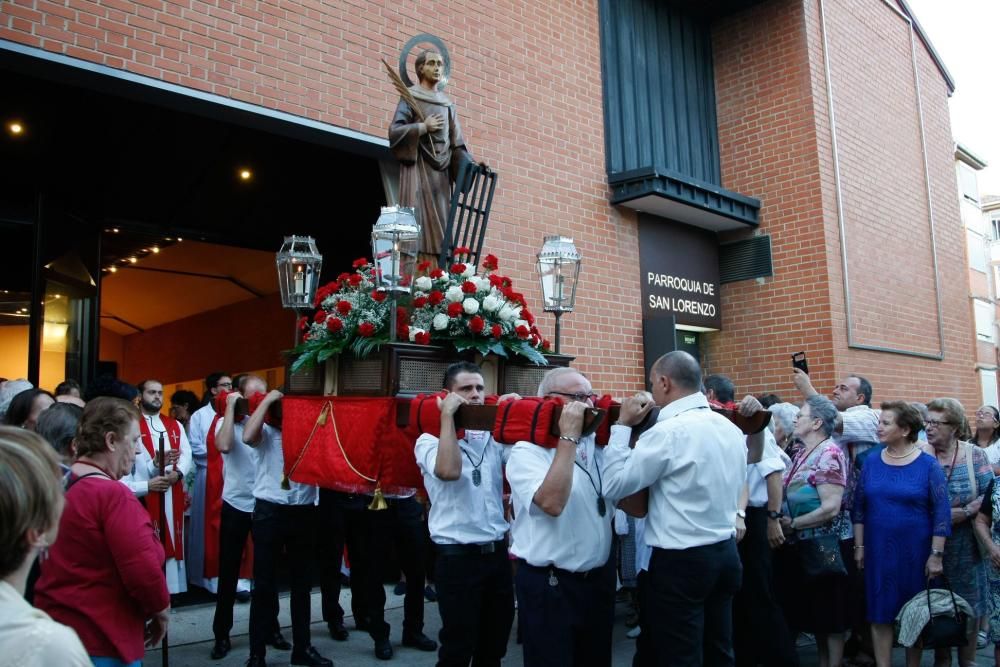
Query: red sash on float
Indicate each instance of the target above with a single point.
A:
(214, 483)
(173, 545)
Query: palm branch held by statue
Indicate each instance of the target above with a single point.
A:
(433, 123)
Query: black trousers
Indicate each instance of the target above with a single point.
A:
(402, 527)
(568, 623)
(760, 634)
(476, 603)
(689, 604)
(275, 528)
(341, 523)
(233, 531)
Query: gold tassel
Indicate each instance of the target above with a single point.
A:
(285, 484)
(378, 500)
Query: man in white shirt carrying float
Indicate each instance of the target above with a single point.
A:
(464, 481)
(562, 537)
(694, 462)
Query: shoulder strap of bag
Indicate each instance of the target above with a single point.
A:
(972, 471)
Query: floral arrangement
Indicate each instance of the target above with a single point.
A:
(461, 307)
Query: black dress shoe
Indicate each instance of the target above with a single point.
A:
(383, 649)
(419, 641)
(310, 657)
(256, 661)
(243, 596)
(279, 642)
(338, 631)
(220, 650)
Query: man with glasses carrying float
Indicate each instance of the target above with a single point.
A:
(562, 536)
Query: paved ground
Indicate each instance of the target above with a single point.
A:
(191, 640)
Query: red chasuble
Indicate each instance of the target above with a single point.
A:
(173, 545)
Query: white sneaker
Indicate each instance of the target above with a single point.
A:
(634, 632)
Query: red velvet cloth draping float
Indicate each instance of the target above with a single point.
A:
(349, 444)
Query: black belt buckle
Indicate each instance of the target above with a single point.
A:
(487, 548)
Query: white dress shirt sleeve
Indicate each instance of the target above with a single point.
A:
(426, 451)
(185, 460)
(628, 471)
(526, 469)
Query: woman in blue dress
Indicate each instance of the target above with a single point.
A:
(901, 518)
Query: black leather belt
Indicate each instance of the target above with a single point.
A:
(471, 549)
(559, 572)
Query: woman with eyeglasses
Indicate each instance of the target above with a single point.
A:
(901, 519)
(814, 490)
(968, 474)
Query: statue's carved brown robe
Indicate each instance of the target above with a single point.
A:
(426, 170)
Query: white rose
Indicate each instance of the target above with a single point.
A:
(490, 304)
(470, 306)
(470, 270)
(509, 312)
(423, 283)
(454, 294)
(440, 321)
(482, 284)
(413, 333)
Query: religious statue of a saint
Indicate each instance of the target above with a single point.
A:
(429, 145)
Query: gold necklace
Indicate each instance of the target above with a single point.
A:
(899, 456)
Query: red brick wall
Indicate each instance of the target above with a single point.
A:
(526, 78)
(776, 144)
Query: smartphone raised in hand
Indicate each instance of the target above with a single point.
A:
(799, 361)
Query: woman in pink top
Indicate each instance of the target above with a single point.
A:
(104, 576)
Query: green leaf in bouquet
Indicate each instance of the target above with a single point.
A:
(362, 347)
(305, 360)
(498, 349)
(531, 354)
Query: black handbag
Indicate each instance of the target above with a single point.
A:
(946, 629)
(821, 557)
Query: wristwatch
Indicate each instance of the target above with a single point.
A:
(741, 514)
(771, 514)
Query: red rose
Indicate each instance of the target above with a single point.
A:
(422, 338)
(319, 316)
(458, 268)
(378, 296)
(477, 324)
(401, 314)
(403, 332)
(420, 302)
(303, 323)
(535, 339)
(469, 287)
(461, 250)
(354, 280)
(435, 297)
(454, 310)
(490, 263)
(506, 282)
(516, 297)
(424, 265)
(496, 331)
(522, 331)
(437, 273)
(546, 344)
(343, 307)
(359, 262)
(334, 324)
(343, 277)
(366, 329)
(527, 316)
(495, 280)
(334, 287)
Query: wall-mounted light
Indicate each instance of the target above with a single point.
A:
(15, 128)
(245, 174)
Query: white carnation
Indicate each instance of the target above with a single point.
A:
(491, 303)
(440, 321)
(454, 294)
(470, 306)
(423, 283)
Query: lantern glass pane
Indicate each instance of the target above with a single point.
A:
(299, 264)
(558, 269)
(395, 244)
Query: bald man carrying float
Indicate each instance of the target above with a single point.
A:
(694, 462)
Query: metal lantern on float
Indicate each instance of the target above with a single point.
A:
(299, 263)
(395, 243)
(558, 270)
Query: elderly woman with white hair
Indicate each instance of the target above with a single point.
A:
(782, 425)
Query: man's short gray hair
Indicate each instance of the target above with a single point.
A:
(682, 369)
(823, 409)
(550, 379)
